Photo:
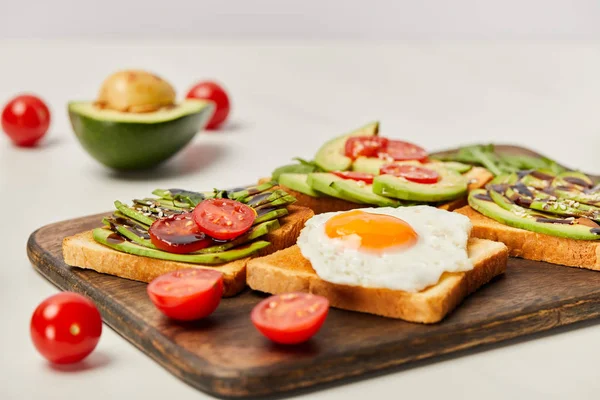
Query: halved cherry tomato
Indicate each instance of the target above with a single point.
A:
(412, 173)
(356, 176)
(178, 234)
(366, 146)
(290, 318)
(187, 294)
(223, 219)
(399, 150)
(66, 327)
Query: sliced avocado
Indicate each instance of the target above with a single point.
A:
(541, 201)
(450, 186)
(368, 165)
(131, 213)
(117, 242)
(539, 179)
(362, 193)
(536, 222)
(322, 182)
(330, 156)
(299, 183)
(459, 167)
(136, 140)
(267, 214)
(372, 165)
(573, 178)
(254, 233)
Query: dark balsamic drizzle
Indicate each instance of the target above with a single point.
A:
(524, 173)
(577, 181)
(484, 197)
(522, 189)
(115, 238)
(542, 176)
(595, 231)
(556, 221)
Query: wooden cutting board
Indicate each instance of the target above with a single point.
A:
(225, 356)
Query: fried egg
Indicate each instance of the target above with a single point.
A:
(405, 248)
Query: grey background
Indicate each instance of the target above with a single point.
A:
(307, 19)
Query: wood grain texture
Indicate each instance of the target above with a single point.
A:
(225, 356)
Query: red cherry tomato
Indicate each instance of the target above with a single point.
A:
(223, 219)
(366, 146)
(25, 119)
(65, 328)
(214, 92)
(412, 173)
(398, 150)
(290, 318)
(187, 294)
(356, 176)
(178, 234)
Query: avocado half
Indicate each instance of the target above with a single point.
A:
(129, 141)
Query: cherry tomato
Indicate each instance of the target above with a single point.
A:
(356, 176)
(366, 146)
(223, 219)
(214, 92)
(187, 294)
(178, 234)
(290, 318)
(412, 173)
(65, 328)
(25, 119)
(398, 150)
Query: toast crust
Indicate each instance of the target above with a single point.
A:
(83, 251)
(288, 271)
(535, 246)
(477, 177)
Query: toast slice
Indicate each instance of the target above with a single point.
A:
(83, 251)
(477, 177)
(288, 271)
(535, 246)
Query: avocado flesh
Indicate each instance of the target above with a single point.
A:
(322, 182)
(299, 183)
(362, 193)
(142, 238)
(451, 185)
(330, 156)
(457, 166)
(130, 141)
(268, 214)
(104, 237)
(573, 178)
(541, 201)
(483, 203)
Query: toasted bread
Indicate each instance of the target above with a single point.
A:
(535, 246)
(477, 177)
(83, 251)
(288, 271)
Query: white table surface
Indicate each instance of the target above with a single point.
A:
(288, 98)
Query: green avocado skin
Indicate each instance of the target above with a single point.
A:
(135, 145)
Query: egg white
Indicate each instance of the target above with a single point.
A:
(441, 247)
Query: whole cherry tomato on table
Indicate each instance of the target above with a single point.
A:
(290, 318)
(25, 119)
(65, 328)
(187, 294)
(212, 91)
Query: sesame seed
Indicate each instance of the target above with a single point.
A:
(576, 204)
(563, 207)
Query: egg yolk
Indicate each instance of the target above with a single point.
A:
(376, 231)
